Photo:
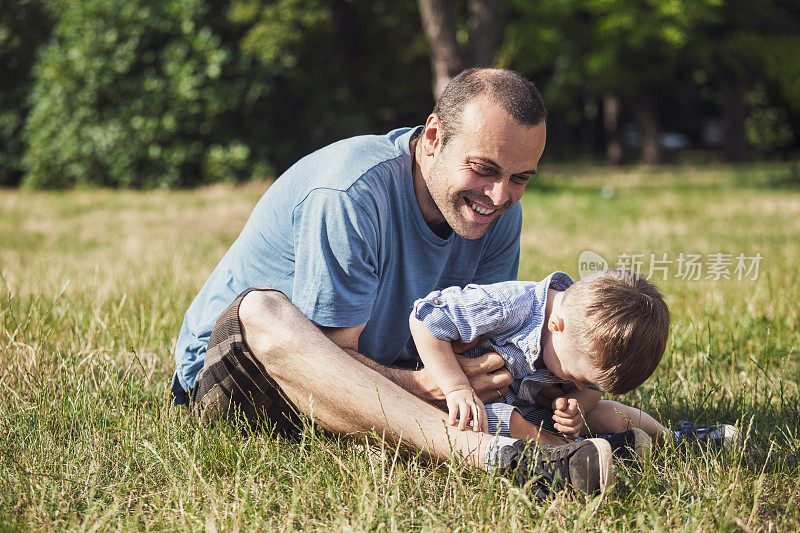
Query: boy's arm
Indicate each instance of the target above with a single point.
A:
(440, 361)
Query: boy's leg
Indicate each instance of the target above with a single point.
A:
(613, 417)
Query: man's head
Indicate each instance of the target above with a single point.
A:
(480, 146)
(609, 329)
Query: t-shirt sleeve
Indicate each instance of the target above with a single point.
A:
(336, 273)
(456, 314)
(500, 258)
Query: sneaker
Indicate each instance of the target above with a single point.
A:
(719, 437)
(583, 466)
(629, 444)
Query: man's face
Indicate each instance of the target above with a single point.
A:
(483, 169)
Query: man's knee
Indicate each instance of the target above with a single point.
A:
(268, 319)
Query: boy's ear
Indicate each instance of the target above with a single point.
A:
(555, 323)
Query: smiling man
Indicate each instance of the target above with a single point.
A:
(332, 259)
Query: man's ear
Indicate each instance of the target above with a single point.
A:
(432, 135)
(555, 323)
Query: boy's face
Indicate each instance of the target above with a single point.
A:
(560, 356)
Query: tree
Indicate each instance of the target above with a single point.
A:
(741, 51)
(440, 26)
(329, 69)
(624, 53)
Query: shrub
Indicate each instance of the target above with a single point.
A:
(134, 94)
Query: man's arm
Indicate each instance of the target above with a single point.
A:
(487, 374)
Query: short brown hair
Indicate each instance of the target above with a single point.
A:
(620, 322)
(515, 93)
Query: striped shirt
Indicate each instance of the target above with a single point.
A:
(509, 318)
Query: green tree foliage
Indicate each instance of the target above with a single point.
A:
(24, 27)
(333, 68)
(584, 49)
(148, 93)
(134, 93)
(745, 57)
(164, 94)
(707, 56)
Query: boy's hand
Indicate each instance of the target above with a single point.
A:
(463, 405)
(568, 416)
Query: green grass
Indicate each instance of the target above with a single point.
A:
(95, 283)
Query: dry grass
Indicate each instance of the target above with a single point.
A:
(93, 289)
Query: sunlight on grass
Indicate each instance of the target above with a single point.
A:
(94, 284)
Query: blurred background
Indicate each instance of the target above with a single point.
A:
(178, 93)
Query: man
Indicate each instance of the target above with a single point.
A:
(345, 241)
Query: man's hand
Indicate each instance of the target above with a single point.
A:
(487, 376)
(491, 377)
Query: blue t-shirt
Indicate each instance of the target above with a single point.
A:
(341, 234)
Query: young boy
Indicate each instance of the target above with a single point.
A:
(564, 343)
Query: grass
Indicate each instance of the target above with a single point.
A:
(95, 283)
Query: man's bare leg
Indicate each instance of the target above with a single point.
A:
(340, 393)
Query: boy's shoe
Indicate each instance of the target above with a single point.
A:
(720, 437)
(629, 444)
(584, 466)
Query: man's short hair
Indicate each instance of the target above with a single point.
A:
(620, 322)
(516, 94)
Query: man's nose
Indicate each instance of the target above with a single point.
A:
(498, 192)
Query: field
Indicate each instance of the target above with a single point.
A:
(94, 284)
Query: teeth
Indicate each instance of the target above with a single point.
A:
(479, 209)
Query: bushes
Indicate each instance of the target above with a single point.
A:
(147, 93)
(24, 26)
(134, 94)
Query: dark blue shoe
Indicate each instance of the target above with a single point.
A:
(629, 444)
(719, 437)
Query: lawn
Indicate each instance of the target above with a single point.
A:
(94, 284)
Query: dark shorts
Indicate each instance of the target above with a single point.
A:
(234, 384)
(539, 417)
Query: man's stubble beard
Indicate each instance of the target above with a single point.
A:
(452, 204)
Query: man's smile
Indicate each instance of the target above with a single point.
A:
(481, 210)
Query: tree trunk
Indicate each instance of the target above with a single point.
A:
(645, 111)
(612, 108)
(439, 25)
(734, 113)
(484, 29)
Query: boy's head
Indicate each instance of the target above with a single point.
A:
(612, 326)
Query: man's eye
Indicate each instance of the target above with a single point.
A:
(522, 180)
(481, 169)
